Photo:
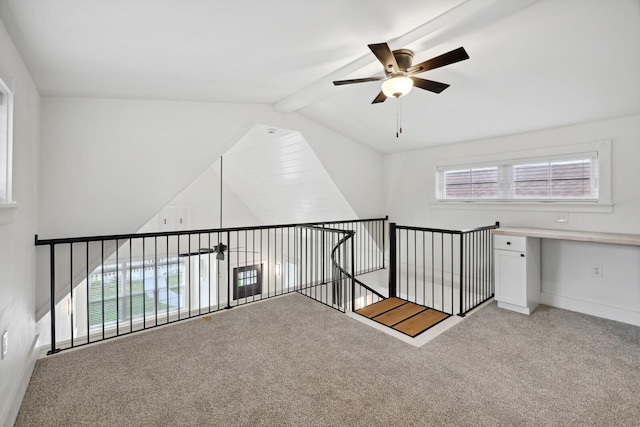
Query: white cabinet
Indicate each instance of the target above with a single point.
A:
(517, 272)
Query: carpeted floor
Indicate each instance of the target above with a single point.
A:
(293, 362)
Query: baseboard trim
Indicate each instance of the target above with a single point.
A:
(517, 308)
(11, 414)
(587, 307)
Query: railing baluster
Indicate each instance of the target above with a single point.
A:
(102, 284)
(131, 286)
(424, 269)
(117, 290)
(52, 260)
(71, 290)
(144, 286)
(452, 272)
(88, 294)
(229, 272)
(461, 285)
(156, 297)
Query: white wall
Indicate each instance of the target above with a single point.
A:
(410, 195)
(17, 252)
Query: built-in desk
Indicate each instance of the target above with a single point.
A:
(583, 236)
(517, 261)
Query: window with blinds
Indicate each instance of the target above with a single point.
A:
(472, 183)
(563, 178)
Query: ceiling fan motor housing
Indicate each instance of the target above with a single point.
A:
(404, 58)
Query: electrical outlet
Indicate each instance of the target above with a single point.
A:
(562, 217)
(596, 270)
(5, 343)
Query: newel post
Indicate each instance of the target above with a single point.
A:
(392, 259)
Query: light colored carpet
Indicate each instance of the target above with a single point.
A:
(290, 361)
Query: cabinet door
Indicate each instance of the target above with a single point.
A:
(511, 277)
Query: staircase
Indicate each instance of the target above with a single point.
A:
(403, 316)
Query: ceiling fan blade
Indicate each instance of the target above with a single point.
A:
(366, 79)
(429, 85)
(385, 56)
(201, 251)
(450, 57)
(380, 98)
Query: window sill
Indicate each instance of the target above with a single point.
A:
(6, 212)
(586, 207)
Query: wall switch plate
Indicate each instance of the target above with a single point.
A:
(5, 343)
(562, 217)
(596, 270)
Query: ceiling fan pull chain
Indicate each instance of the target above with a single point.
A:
(400, 114)
(398, 117)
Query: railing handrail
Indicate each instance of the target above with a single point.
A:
(486, 227)
(55, 241)
(331, 230)
(447, 231)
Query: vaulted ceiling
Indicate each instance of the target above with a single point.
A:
(533, 63)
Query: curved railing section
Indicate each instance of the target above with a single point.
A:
(361, 295)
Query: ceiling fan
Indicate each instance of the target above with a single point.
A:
(399, 76)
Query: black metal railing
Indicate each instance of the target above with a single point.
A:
(447, 270)
(343, 291)
(108, 286)
(321, 281)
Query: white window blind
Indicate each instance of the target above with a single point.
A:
(472, 183)
(564, 179)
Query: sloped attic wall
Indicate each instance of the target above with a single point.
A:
(108, 166)
(270, 176)
(200, 201)
(278, 175)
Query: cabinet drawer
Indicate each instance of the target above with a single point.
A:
(510, 243)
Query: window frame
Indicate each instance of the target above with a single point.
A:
(600, 150)
(7, 205)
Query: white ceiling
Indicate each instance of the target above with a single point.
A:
(534, 64)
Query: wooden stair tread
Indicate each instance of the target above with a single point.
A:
(380, 307)
(399, 314)
(420, 322)
(403, 316)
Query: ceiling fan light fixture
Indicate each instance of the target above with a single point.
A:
(397, 86)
